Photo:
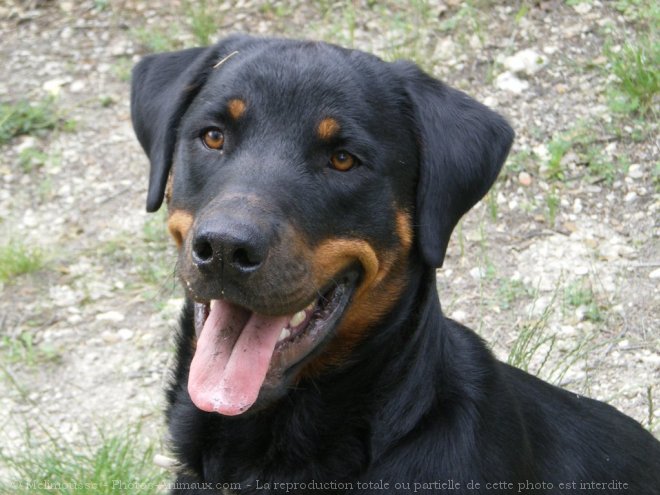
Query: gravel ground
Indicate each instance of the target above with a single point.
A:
(86, 340)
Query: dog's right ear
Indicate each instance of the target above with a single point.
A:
(162, 88)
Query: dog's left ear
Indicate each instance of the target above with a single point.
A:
(462, 144)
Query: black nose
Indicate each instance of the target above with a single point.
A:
(228, 249)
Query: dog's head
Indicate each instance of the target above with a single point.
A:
(302, 180)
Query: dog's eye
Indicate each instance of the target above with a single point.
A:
(213, 138)
(343, 161)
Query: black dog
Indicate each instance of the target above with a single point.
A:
(312, 191)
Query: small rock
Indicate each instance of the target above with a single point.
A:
(582, 8)
(507, 81)
(525, 179)
(114, 316)
(109, 337)
(655, 274)
(77, 86)
(630, 197)
(27, 142)
(577, 205)
(458, 315)
(54, 86)
(526, 62)
(477, 273)
(581, 270)
(635, 171)
(125, 334)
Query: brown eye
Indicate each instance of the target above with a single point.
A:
(342, 161)
(213, 138)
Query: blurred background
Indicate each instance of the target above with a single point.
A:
(558, 268)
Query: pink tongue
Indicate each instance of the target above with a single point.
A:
(227, 370)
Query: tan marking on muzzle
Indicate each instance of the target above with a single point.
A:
(178, 224)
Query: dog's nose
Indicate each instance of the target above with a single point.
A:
(233, 249)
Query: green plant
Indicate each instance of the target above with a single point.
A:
(202, 22)
(532, 337)
(25, 117)
(635, 65)
(553, 203)
(557, 148)
(119, 463)
(17, 259)
(31, 159)
(510, 291)
(155, 39)
(534, 350)
(22, 349)
(122, 68)
(580, 294)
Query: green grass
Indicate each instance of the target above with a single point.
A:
(637, 68)
(553, 204)
(31, 159)
(536, 351)
(580, 294)
(156, 40)
(532, 336)
(510, 291)
(16, 259)
(203, 23)
(22, 349)
(33, 118)
(118, 463)
(558, 147)
(586, 142)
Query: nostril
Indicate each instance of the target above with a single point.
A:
(202, 250)
(242, 259)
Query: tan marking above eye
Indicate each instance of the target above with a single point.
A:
(236, 108)
(342, 161)
(328, 128)
(213, 138)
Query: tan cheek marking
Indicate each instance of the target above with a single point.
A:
(236, 108)
(178, 224)
(327, 128)
(404, 229)
(168, 188)
(385, 280)
(333, 256)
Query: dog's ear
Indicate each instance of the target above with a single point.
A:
(162, 88)
(462, 147)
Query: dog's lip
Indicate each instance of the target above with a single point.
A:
(298, 342)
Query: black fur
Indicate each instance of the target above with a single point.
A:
(420, 401)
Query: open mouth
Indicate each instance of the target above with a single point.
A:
(240, 352)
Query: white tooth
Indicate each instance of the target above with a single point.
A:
(311, 306)
(284, 335)
(298, 318)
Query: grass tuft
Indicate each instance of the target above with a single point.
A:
(17, 259)
(117, 464)
(638, 79)
(24, 117)
(202, 22)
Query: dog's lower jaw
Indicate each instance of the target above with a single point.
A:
(242, 358)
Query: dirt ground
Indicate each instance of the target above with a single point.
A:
(569, 259)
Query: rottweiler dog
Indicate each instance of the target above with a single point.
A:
(311, 191)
